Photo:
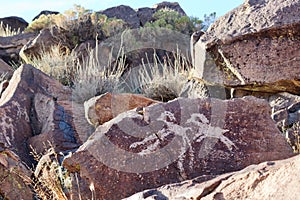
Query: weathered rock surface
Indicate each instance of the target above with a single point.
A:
(14, 176)
(16, 107)
(16, 23)
(268, 180)
(54, 126)
(175, 141)
(125, 13)
(39, 44)
(103, 108)
(145, 15)
(5, 68)
(11, 46)
(45, 12)
(34, 109)
(253, 47)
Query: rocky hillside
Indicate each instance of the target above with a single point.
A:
(146, 104)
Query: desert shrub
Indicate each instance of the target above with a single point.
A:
(6, 31)
(171, 19)
(57, 63)
(161, 81)
(91, 78)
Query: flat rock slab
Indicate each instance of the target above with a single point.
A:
(268, 180)
(175, 141)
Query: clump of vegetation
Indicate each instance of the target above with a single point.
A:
(171, 19)
(6, 31)
(78, 25)
(162, 81)
(91, 78)
(50, 180)
(57, 63)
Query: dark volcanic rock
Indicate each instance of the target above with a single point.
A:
(254, 47)
(17, 111)
(45, 12)
(175, 141)
(145, 15)
(171, 6)
(10, 46)
(125, 13)
(16, 23)
(268, 180)
(14, 176)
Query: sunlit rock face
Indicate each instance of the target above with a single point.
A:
(175, 141)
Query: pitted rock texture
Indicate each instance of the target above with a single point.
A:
(175, 141)
(254, 47)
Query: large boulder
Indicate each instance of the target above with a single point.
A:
(103, 108)
(54, 126)
(16, 23)
(175, 141)
(26, 108)
(16, 107)
(10, 46)
(126, 13)
(39, 44)
(254, 47)
(268, 180)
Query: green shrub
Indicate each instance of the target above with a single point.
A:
(172, 20)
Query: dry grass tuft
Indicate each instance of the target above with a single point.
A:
(161, 81)
(50, 180)
(57, 63)
(92, 78)
(6, 31)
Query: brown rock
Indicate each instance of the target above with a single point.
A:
(41, 43)
(103, 108)
(253, 47)
(175, 141)
(3, 86)
(16, 23)
(5, 68)
(16, 107)
(14, 176)
(53, 126)
(268, 180)
(11, 46)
